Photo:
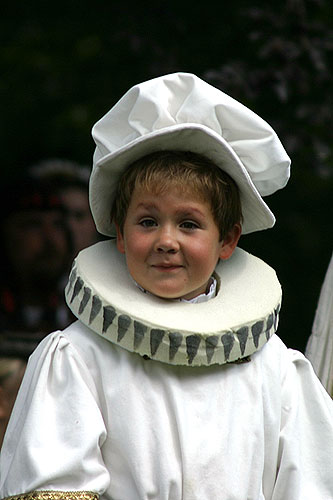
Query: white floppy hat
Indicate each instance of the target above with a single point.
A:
(182, 112)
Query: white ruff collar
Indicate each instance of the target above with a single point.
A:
(231, 326)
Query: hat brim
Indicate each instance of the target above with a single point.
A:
(182, 137)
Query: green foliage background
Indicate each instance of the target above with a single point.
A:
(64, 64)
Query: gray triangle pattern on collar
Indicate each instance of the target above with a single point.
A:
(169, 345)
(227, 347)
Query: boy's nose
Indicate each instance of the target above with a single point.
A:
(166, 241)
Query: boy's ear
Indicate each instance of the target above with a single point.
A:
(120, 240)
(230, 241)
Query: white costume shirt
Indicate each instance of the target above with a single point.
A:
(319, 349)
(93, 418)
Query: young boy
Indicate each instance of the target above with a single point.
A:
(172, 384)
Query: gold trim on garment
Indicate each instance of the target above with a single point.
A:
(55, 495)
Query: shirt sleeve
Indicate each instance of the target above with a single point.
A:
(305, 460)
(55, 435)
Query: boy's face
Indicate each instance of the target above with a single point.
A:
(171, 243)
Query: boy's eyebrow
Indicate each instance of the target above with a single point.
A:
(146, 205)
(186, 211)
(189, 211)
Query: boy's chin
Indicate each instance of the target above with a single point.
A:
(162, 294)
(165, 295)
(169, 290)
(171, 294)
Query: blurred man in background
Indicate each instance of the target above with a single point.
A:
(70, 180)
(35, 258)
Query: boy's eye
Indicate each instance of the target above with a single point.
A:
(189, 225)
(147, 223)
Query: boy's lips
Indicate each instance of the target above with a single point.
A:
(166, 266)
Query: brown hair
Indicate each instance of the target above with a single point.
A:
(189, 172)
